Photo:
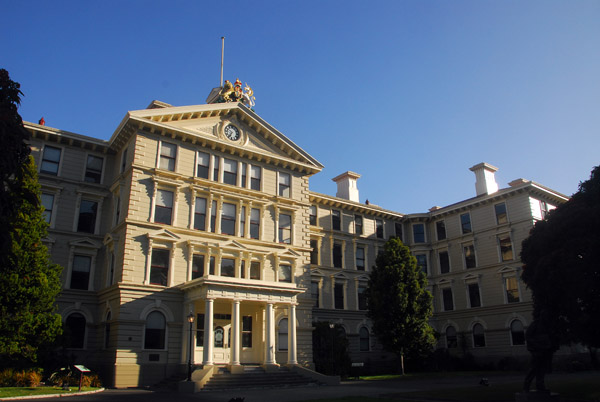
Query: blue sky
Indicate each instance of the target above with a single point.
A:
(409, 94)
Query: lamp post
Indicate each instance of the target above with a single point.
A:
(331, 327)
(190, 319)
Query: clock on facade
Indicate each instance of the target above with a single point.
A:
(232, 132)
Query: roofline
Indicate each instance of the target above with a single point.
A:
(63, 133)
(357, 206)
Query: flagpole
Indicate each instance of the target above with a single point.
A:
(222, 57)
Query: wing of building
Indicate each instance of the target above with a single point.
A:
(205, 212)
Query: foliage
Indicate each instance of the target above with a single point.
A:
(330, 350)
(29, 283)
(68, 376)
(399, 305)
(561, 260)
(22, 378)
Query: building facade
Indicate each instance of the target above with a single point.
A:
(204, 213)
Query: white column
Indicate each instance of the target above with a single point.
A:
(292, 335)
(270, 332)
(235, 336)
(208, 333)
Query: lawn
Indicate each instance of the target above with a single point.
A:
(7, 392)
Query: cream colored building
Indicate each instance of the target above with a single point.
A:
(205, 211)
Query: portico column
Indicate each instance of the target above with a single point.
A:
(292, 334)
(270, 335)
(235, 336)
(208, 333)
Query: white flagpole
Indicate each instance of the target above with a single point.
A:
(222, 57)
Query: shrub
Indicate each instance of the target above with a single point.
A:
(12, 378)
(7, 377)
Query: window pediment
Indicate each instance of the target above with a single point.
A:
(85, 242)
(163, 234)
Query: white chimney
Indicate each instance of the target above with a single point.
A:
(346, 186)
(485, 180)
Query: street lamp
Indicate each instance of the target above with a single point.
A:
(190, 319)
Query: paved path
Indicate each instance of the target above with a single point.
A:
(349, 388)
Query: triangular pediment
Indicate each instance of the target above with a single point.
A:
(316, 272)
(163, 234)
(85, 242)
(289, 253)
(205, 126)
(340, 275)
(508, 270)
(445, 282)
(362, 278)
(233, 244)
(470, 277)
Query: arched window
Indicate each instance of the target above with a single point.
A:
(363, 334)
(451, 340)
(478, 336)
(75, 330)
(517, 333)
(341, 331)
(107, 331)
(282, 335)
(155, 331)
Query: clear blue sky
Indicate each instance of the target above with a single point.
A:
(410, 94)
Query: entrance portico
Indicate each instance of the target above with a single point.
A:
(238, 321)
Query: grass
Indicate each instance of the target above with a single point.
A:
(7, 392)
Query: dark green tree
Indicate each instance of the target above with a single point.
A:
(399, 305)
(561, 265)
(29, 283)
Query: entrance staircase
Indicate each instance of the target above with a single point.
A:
(256, 377)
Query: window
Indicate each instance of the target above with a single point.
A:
(107, 331)
(419, 233)
(164, 207)
(211, 266)
(247, 331)
(338, 291)
(337, 255)
(203, 163)
(360, 258)
(213, 216)
(255, 175)
(447, 299)
(197, 266)
(159, 267)
(200, 214)
(285, 273)
(358, 224)
(440, 228)
(228, 267)
(155, 331)
(379, 228)
(451, 338)
(111, 270)
(282, 335)
(501, 216)
(215, 168)
(75, 325)
(219, 336)
(242, 269)
(117, 209)
(230, 171)
(284, 184)
(228, 219)
(363, 335)
(544, 209)
(255, 270)
(506, 252)
(517, 333)
(93, 169)
(469, 254)
(315, 293)
(168, 153)
(465, 223)
(444, 262)
(80, 274)
(200, 330)
(312, 217)
(48, 203)
(285, 228)
(422, 262)
(314, 253)
(336, 222)
(478, 336)
(243, 222)
(50, 160)
(254, 223)
(512, 289)
(244, 174)
(124, 160)
(398, 229)
(474, 296)
(87, 216)
(362, 297)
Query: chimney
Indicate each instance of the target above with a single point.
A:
(485, 181)
(346, 186)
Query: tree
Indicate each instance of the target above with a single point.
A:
(29, 283)
(561, 260)
(399, 305)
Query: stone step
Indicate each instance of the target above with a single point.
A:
(257, 378)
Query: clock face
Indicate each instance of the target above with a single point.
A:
(232, 132)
